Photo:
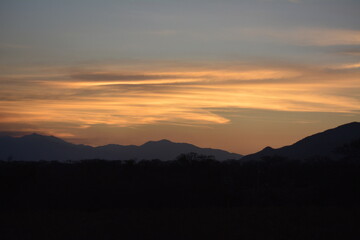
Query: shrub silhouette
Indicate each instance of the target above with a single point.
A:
(193, 195)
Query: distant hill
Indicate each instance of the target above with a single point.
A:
(324, 144)
(36, 147)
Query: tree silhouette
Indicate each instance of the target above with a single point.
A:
(194, 195)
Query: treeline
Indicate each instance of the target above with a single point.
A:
(193, 197)
(189, 181)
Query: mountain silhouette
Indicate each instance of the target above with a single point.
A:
(36, 147)
(324, 144)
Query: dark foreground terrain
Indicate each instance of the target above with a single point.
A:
(190, 198)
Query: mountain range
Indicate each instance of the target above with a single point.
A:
(36, 147)
(325, 144)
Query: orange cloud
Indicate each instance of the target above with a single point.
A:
(128, 98)
(348, 66)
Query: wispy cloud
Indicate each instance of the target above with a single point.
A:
(13, 46)
(351, 52)
(176, 96)
(306, 36)
(348, 66)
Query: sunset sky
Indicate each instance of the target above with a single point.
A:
(232, 74)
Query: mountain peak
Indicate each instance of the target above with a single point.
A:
(351, 124)
(162, 141)
(322, 144)
(39, 137)
(33, 136)
(35, 147)
(268, 148)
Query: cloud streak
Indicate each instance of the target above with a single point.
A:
(176, 96)
(306, 36)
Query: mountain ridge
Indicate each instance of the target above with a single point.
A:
(322, 144)
(34, 147)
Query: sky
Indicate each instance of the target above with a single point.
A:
(230, 74)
